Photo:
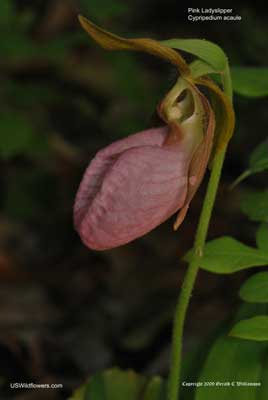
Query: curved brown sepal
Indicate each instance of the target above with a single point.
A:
(110, 41)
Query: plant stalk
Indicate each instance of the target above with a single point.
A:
(191, 274)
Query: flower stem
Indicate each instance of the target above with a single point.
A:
(191, 274)
(190, 277)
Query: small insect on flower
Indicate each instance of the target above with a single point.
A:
(135, 184)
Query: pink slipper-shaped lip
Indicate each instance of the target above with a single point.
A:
(129, 188)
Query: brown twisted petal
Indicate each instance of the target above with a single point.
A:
(199, 160)
(110, 41)
(224, 113)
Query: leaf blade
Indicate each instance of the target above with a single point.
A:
(207, 51)
(259, 158)
(255, 328)
(199, 68)
(117, 384)
(262, 237)
(255, 205)
(255, 289)
(250, 81)
(226, 255)
(231, 360)
(155, 389)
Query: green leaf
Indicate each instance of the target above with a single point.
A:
(255, 289)
(155, 389)
(95, 389)
(262, 237)
(121, 385)
(264, 380)
(259, 158)
(79, 394)
(230, 361)
(255, 328)
(115, 384)
(250, 81)
(258, 162)
(227, 255)
(255, 205)
(209, 52)
(200, 68)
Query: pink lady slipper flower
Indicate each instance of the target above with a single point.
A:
(136, 183)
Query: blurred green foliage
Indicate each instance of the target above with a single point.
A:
(255, 205)
(16, 135)
(106, 9)
(115, 384)
(17, 43)
(250, 82)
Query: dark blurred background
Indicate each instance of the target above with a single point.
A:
(65, 311)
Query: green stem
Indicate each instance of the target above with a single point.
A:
(190, 277)
(191, 274)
